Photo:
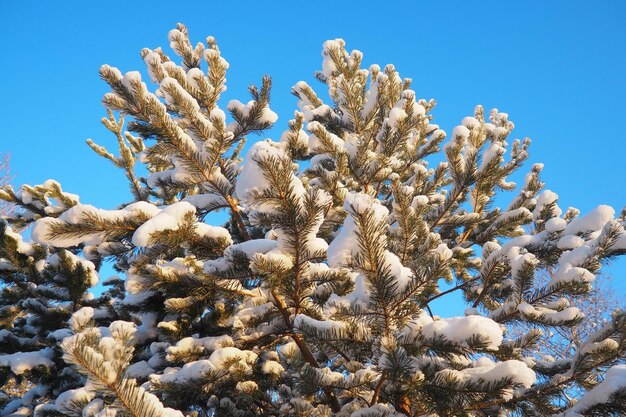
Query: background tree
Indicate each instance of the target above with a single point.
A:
(40, 288)
(5, 177)
(313, 298)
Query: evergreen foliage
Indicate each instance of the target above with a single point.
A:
(314, 299)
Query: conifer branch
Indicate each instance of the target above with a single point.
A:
(304, 348)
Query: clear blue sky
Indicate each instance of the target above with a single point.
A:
(558, 68)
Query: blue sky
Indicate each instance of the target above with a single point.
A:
(558, 68)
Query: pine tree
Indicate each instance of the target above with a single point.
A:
(314, 299)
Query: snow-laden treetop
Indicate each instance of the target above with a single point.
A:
(314, 298)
